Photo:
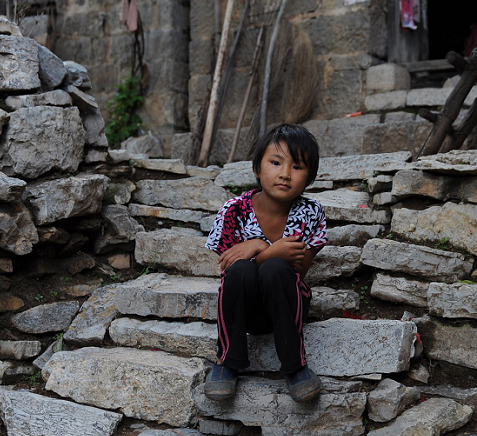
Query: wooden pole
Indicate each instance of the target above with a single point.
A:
(268, 70)
(205, 149)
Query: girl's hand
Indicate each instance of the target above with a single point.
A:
(288, 249)
(244, 250)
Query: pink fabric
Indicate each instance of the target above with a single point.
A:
(223, 336)
(129, 15)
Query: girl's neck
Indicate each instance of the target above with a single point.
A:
(266, 205)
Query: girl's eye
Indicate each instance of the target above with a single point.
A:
(297, 167)
(274, 162)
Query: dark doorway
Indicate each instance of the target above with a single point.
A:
(450, 26)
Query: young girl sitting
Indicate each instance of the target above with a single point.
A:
(266, 240)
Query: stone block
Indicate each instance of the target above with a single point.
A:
(400, 290)
(387, 78)
(456, 300)
(175, 166)
(385, 101)
(385, 199)
(19, 350)
(331, 301)
(77, 75)
(159, 391)
(225, 428)
(168, 296)
(416, 260)
(380, 183)
(145, 144)
(51, 71)
(451, 224)
(239, 174)
(427, 97)
(185, 215)
(51, 98)
(119, 193)
(211, 172)
(11, 189)
(344, 94)
(394, 117)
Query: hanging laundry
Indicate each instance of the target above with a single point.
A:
(407, 14)
(129, 15)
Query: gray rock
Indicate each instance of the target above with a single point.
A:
(19, 66)
(265, 403)
(346, 205)
(332, 262)
(8, 27)
(93, 155)
(64, 198)
(211, 172)
(453, 157)
(440, 187)
(108, 241)
(353, 234)
(416, 260)
(83, 101)
(185, 215)
(463, 396)
(46, 317)
(386, 101)
(389, 399)
(357, 167)
(168, 296)
(238, 174)
(442, 167)
(17, 231)
(53, 235)
(384, 199)
(387, 77)
(56, 131)
(421, 374)
(159, 391)
(52, 71)
(192, 193)
(175, 432)
(380, 183)
(451, 224)
(53, 348)
(120, 222)
(4, 117)
(456, 300)
(119, 155)
(393, 117)
(225, 428)
(50, 98)
(77, 75)
(93, 124)
(173, 250)
(436, 416)
(449, 342)
(318, 185)
(27, 414)
(19, 350)
(400, 290)
(427, 97)
(195, 339)
(96, 315)
(175, 166)
(329, 300)
(119, 193)
(145, 144)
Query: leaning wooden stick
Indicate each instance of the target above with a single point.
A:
(204, 151)
(268, 70)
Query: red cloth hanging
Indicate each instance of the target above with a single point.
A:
(129, 15)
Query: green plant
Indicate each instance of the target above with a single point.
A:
(467, 282)
(122, 106)
(118, 277)
(363, 186)
(54, 293)
(39, 297)
(58, 336)
(146, 271)
(443, 244)
(35, 379)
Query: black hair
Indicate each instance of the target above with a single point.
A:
(301, 143)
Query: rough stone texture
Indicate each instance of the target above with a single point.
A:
(196, 339)
(27, 414)
(459, 158)
(83, 101)
(4, 117)
(19, 65)
(385, 198)
(427, 97)
(52, 71)
(353, 234)
(237, 174)
(400, 290)
(345, 347)
(9, 302)
(77, 75)
(93, 156)
(145, 144)
(64, 198)
(53, 348)
(93, 124)
(53, 235)
(433, 417)
(185, 215)
(332, 262)
(456, 300)
(267, 403)
(19, 350)
(175, 166)
(435, 186)
(17, 231)
(96, 314)
(389, 399)
(225, 428)
(56, 131)
(453, 223)
(159, 391)
(356, 167)
(416, 260)
(51, 98)
(386, 101)
(192, 193)
(168, 296)
(211, 172)
(121, 223)
(46, 317)
(119, 193)
(463, 396)
(328, 300)
(453, 343)
(387, 77)
(442, 167)
(347, 205)
(8, 27)
(174, 250)
(379, 184)
(175, 432)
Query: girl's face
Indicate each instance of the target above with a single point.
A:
(282, 178)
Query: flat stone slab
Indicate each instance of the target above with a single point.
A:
(27, 414)
(453, 223)
(175, 166)
(19, 350)
(346, 205)
(11, 188)
(184, 215)
(357, 167)
(267, 403)
(353, 234)
(328, 300)
(168, 296)
(453, 343)
(237, 174)
(345, 347)
(456, 300)
(400, 290)
(416, 260)
(192, 193)
(57, 97)
(453, 157)
(186, 253)
(149, 385)
(175, 432)
(435, 416)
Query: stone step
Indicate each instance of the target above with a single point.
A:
(267, 403)
(336, 347)
(149, 385)
(24, 413)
